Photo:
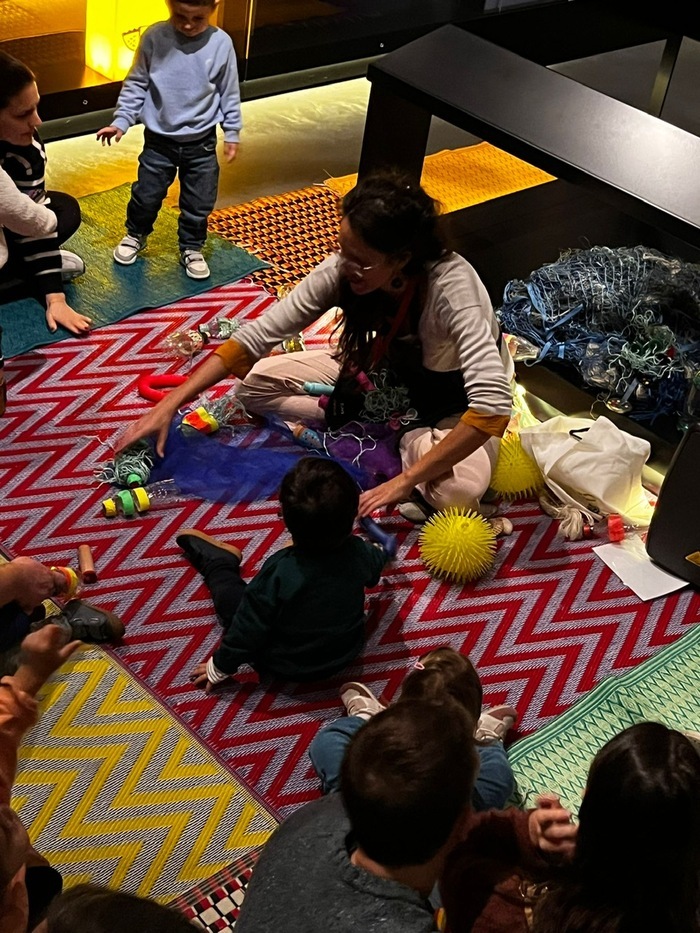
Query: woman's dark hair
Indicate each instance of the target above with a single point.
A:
(636, 868)
(445, 672)
(90, 908)
(394, 216)
(319, 502)
(14, 77)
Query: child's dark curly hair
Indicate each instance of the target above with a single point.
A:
(319, 504)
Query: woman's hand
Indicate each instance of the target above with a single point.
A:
(155, 423)
(389, 493)
(550, 828)
(109, 133)
(59, 312)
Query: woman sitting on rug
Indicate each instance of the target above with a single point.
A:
(636, 859)
(33, 221)
(636, 867)
(412, 312)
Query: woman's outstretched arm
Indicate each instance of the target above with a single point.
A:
(156, 422)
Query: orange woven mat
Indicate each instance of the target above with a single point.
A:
(459, 178)
(293, 232)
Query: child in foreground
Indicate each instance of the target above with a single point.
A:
(184, 81)
(27, 882)
(302, 616)
(91, 908)
(440, 675)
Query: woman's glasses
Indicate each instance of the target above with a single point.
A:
(354, 269)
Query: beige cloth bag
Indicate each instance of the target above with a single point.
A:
(592, 465)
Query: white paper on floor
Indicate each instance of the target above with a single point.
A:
(630, 562)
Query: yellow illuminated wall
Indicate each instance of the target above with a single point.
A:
(112, 32)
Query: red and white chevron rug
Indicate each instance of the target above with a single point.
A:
(543, 627)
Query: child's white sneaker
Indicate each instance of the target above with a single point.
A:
(494, 724)
(129, 248)
(359, 700)
(195, 264)
(72, 265)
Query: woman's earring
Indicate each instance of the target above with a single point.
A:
(398, 282)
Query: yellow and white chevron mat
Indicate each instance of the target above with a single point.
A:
(114, 791)
(459, 178)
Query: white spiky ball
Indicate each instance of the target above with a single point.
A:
(457, 545)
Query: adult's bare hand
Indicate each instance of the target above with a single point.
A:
(28, 582)
(389, 493)
(155, 423)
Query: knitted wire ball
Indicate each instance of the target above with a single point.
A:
(516, 475)
(457, 545)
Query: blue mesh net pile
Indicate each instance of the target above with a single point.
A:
(627, 320)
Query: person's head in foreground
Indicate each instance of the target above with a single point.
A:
(636, 866)
(319, 502)
(389, 231)
(406, 783)
(444, 672)
(88, 908)
(19, 99)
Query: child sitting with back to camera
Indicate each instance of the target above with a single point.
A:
(302, 616)
(441, 673)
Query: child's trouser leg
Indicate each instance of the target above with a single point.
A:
(495, 783)
(222, 576)
(199, 184)
(275, 385)
(157, 170)
(328, 748)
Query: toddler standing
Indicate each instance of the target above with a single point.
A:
(184, 81)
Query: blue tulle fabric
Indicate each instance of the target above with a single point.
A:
(249, 461)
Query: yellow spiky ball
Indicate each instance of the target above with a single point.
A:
(516, 475)
(457, 545)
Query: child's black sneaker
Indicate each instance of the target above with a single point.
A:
(200, 548)
(86, 622)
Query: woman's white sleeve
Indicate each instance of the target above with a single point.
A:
(20, 214)
(312, 297)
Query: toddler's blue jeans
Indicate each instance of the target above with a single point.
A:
(160, 161)
(494, 783)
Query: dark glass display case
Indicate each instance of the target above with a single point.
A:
(81, 49)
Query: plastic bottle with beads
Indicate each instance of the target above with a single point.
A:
(219, 329)
(161, 495)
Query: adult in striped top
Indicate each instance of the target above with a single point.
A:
(34, 222)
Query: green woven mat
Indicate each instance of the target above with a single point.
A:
(109, 292)
(663, 689)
